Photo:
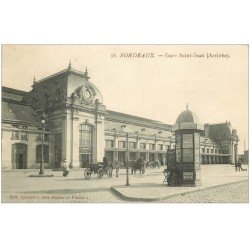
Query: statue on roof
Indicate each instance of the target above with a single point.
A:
(86, 75)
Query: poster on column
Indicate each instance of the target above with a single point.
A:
(187, 140)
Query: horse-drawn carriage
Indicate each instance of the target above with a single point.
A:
(98, 168)
(138, 165)
(102, 168)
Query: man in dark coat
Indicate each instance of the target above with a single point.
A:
(236, 166)
(239, 166)
(105, 161)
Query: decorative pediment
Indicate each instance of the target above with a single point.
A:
(85, 94)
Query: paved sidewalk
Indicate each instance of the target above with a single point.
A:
(146, 192)
(17, 186)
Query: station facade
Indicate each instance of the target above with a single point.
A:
(81, 130)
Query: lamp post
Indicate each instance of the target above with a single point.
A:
(170, 141)
(42, 160)
(127, 163)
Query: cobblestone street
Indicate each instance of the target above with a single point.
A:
(17, 186)
(229, 193)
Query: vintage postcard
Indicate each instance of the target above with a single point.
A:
(124, 123)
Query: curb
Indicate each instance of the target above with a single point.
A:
(128, 198)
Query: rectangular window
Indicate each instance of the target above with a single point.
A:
(109, 143)
(212, 150)
(24, 135)
(15, 135)
(142, 145)
(166, 147)
(46, 137)
(208, 150)
(132, 145)
(39, 137)
(122, 144)
(159, 147)
(151, 146)
(203, 150)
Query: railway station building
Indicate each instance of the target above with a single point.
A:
(79, 128)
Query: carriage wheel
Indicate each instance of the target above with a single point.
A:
(100, 173)
(87, 173)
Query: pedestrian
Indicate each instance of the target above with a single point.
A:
(239, 166)
(236, 166)
(65, 168)
(105, 161)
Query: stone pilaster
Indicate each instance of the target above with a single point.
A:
(75, 163)
(66, 137)
(100, 142)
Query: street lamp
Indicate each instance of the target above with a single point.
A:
(43, 117)
(127, 163)
(170, 141)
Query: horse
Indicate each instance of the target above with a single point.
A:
(138, 165)
(148, 164)
(116, 165)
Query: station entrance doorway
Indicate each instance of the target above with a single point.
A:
(19, 152)
(85, 159)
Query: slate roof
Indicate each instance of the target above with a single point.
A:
(13, 94)
(126, 118)
(18, 113)
(222, 130)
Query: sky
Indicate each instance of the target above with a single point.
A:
(157, 87)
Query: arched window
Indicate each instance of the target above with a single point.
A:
(45, 153)
(85, 136)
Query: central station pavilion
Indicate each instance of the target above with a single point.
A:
(81, 130)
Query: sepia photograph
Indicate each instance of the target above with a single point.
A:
(124, 124)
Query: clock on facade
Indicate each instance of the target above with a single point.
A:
(87, 94)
